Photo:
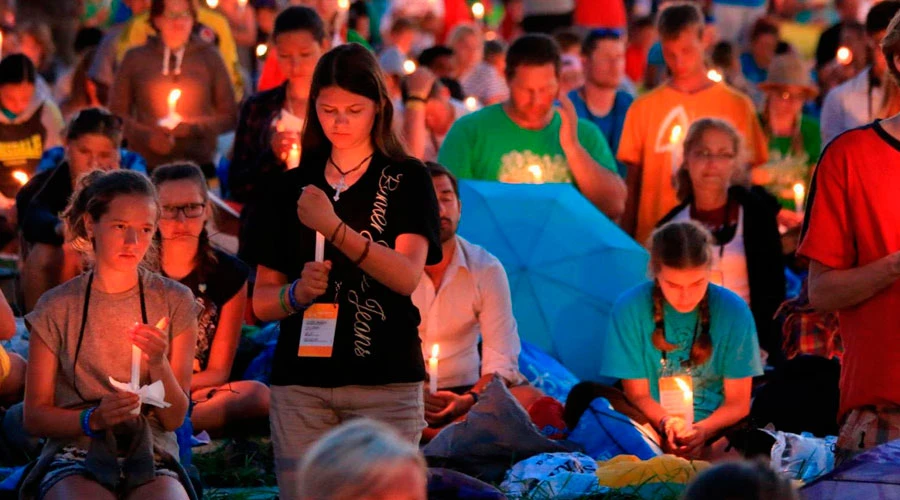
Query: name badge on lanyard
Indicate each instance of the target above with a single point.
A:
(317, 333)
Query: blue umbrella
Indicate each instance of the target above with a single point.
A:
(567, 263)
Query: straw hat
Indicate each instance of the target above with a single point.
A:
(787, 71)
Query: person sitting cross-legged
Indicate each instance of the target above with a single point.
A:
(462, 298)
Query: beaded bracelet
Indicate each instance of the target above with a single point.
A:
(293, 300)
(284, 305)
(85, 423)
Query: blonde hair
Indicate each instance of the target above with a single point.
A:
(349, 461)
(683, 185)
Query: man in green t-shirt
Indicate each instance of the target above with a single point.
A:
(525, 140)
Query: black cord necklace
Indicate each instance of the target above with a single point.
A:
(341, 183)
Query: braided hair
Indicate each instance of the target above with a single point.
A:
(681, 245)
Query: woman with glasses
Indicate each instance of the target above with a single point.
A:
(747, 256)
(791, 133)
(174, 92)
(219, 283)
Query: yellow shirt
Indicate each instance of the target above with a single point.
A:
(139, 29)
(656, 125)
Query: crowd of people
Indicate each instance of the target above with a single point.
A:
(746, 144)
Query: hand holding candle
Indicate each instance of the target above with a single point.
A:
(433, 369)
(144, 343)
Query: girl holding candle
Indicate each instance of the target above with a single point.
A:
(271, 122)
(175, 60)
(219, 283)
(681, 324)
(377, 208)
(83, 333)
(747, 255)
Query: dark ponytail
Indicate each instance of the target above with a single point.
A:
(681, 245)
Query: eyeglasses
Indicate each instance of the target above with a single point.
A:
(190, 211)
(710, 156)
(176, 16)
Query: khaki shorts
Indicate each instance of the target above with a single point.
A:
(299, 416)
(866, 427)
(5, 365)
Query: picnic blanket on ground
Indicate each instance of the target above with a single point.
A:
(559, 476)
(495, 435)
(660, 477)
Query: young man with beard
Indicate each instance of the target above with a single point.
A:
(601, 101)
(461, 299)
(525, 139)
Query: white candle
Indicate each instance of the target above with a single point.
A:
(174, 95)
(687, 399)
(293, 159)
(135, 367)
(675, 147)
(433, 369)
(409, 67)
(320, 247)
(799, 197)
(171, 120)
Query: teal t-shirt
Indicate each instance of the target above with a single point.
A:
(488, 145)
(628, 351)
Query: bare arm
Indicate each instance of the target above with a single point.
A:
(414, 130)
(42, 417)
(735, 407)
(225, 343)
(638, 393)
(175, 373)
(266, 300)
(833, 289)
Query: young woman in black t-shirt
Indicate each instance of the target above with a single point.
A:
(219, 283)
(377, 209)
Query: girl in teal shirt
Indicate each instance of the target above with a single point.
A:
(684, 323)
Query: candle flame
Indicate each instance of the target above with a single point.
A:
(409, 67)
(174, 95)
(20, 177)
(435, 350)
(714, 75)
(537, 172)
(261, 50)
(471, 103)
(844, 56)
(478, 10)
(799, 190)
(685, 388)
(344, 4)
(675, 137)
(212, 3)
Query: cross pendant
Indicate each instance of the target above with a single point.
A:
(340, 186)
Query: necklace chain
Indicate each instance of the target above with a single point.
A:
(341, 183)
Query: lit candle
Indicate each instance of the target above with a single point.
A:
(676, 396)
(344, 5)
(171, 120)
(261, 50)
(320, 247)
(433, 369)
(478, 11)
(293, 159)
(409, 67)
(471, 103)
(174, 95)
(844, 56)
(537, 172)
(20, 177)
(212, 3)
(714, 75)
(799, 197)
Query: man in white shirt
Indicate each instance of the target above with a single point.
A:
(858, 101)
(464, 297)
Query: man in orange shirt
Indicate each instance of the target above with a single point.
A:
(657, 122)
(852, 238)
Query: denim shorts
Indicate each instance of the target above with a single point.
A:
(70, 462)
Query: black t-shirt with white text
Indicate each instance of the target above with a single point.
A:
(376, 339)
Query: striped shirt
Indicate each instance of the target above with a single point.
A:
(485, 84)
